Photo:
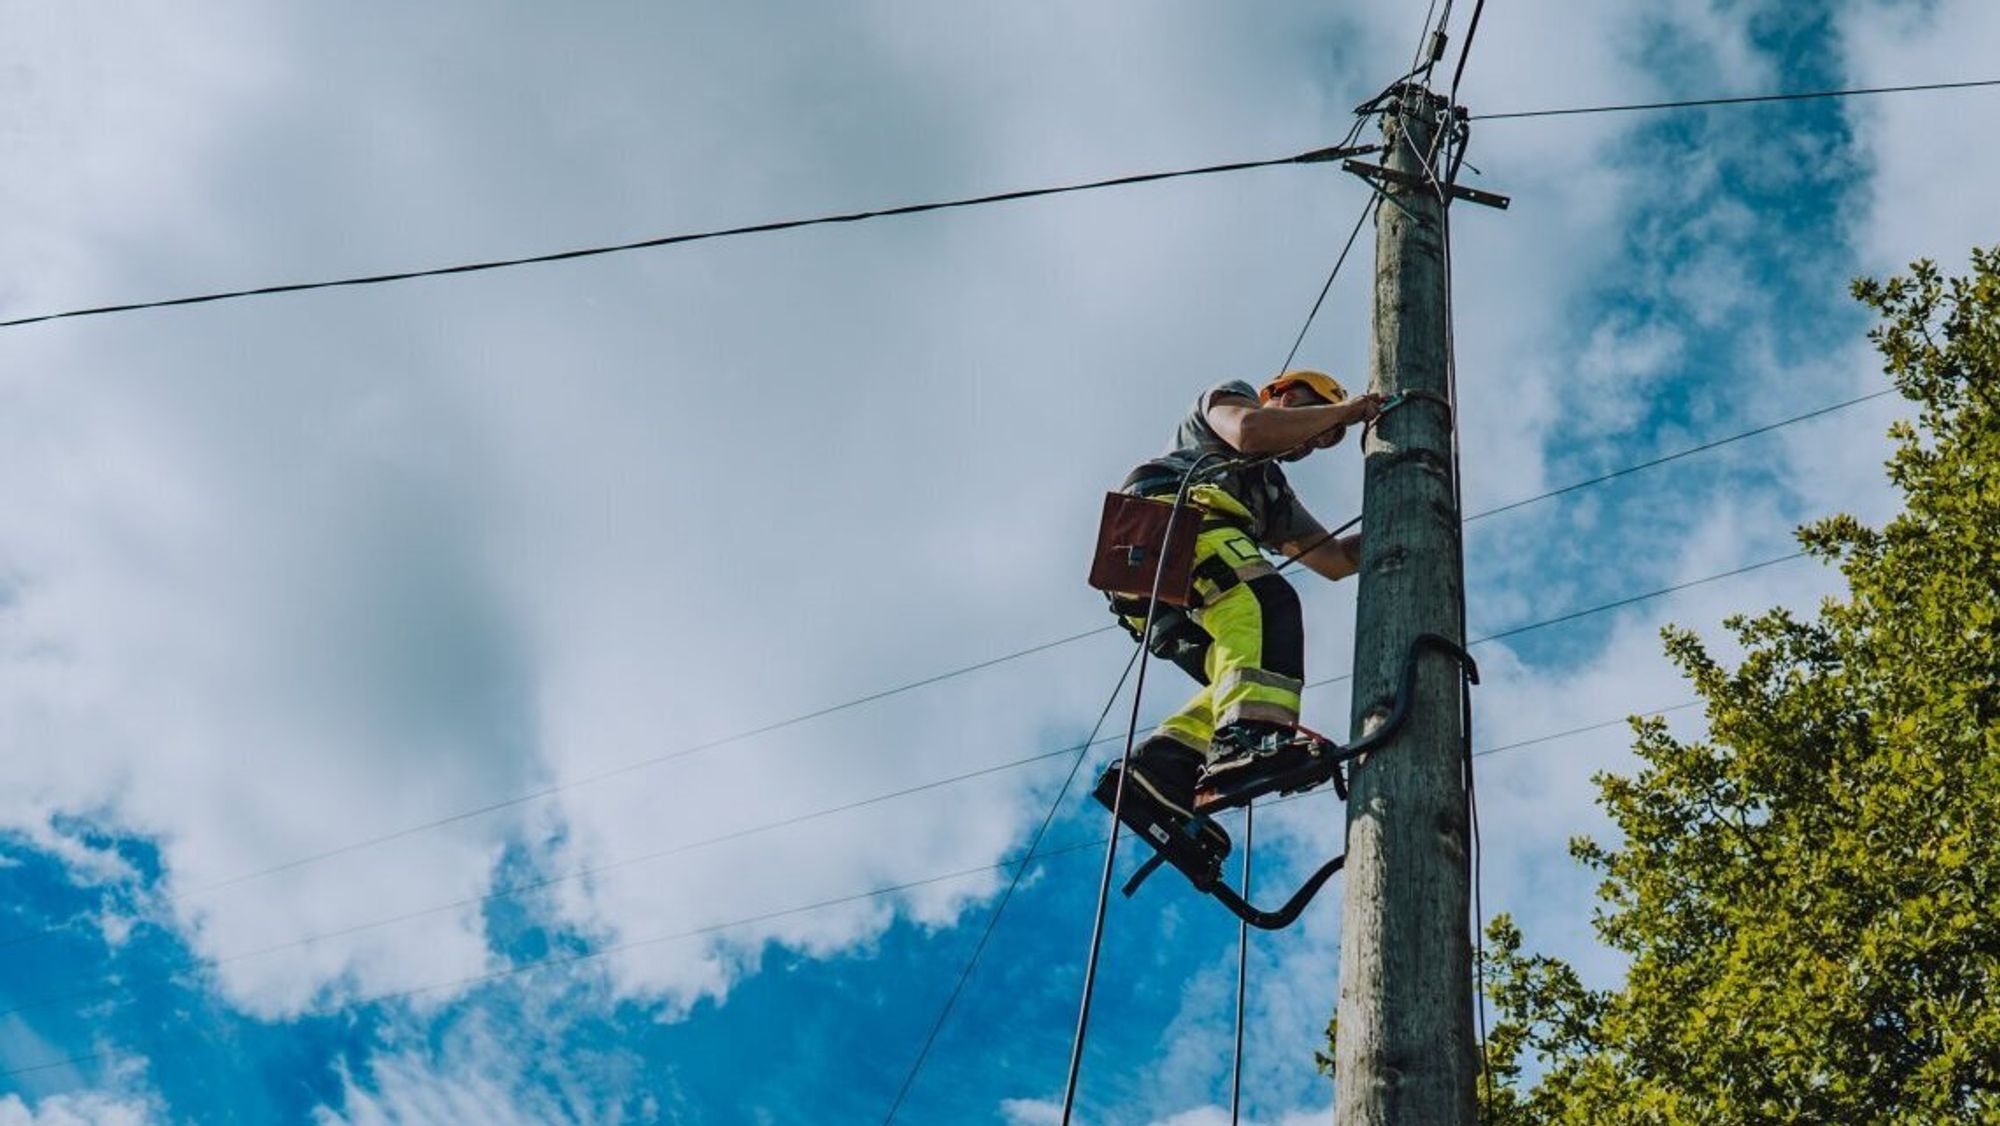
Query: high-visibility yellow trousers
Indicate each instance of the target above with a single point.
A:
(1255, 665)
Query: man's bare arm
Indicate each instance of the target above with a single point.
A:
(1334, 558)
(1255, 429)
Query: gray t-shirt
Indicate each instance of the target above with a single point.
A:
(1276, 517)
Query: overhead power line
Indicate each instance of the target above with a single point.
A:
(1022, 859)
(962, 670)
(1604, 607)
(1465, 52)
(1007, 895)
(1744, 100)
(901, 689)
(654, 760)
(1315, 156)
(1367, 209)
(1311, 157)
(532, 964)
(527, 887)
(1677, 455)
(1637, 598)
(1585, 729)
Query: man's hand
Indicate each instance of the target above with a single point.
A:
(1365, 407)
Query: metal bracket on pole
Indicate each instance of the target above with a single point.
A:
(1407, 179)
(1338, 152)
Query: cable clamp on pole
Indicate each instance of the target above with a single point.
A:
(1337, 152)
(1380, 174)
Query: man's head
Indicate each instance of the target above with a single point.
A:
(1302, 387)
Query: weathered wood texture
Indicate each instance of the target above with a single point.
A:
(1405, 1050)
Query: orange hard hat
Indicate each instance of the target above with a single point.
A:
(1322, 384)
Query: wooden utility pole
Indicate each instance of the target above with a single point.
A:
(1404, 1051)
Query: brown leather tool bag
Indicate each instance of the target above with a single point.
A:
(1130, 542)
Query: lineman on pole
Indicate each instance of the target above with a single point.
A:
(1241, 637)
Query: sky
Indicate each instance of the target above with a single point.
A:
(398, 684)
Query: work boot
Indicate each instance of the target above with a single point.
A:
(1255, 748)
(1159, 807)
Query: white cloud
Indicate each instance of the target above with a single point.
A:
(1031, 1112)
(88, 1109)
(300, 571)
(1912, 209)
(481, 1072)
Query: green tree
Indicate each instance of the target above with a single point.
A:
(1809, 896)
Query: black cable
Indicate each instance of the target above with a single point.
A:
(638, 764)
(1599, 609)
(1691, 450)
(1315, 545)
(1242, 969)
(963, 670)
(1465, 52)
(1444, 126)
(525, 967)
(1744, 570)
(1449, 128)
(1007, 896)
(1118, 795)
(655, 760)
(356, 846)
(546, 961)
(1737, 101)
(1367, 209)
(512, 891)
(1684, 705)
(1424, 34)
(1353, 133)
(1314, 156)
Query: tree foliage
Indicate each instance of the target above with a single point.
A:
(1808, 895)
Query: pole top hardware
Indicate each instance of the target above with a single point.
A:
(1409, 179)
(1402, 87)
